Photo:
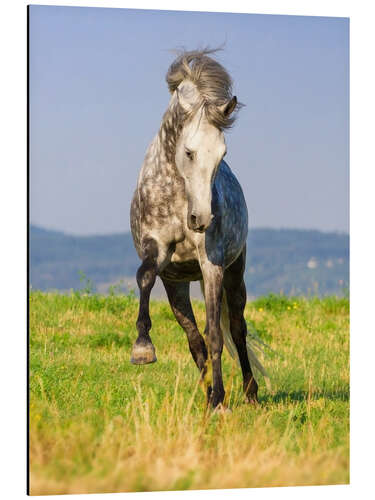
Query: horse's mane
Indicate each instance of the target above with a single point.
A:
(212, 81)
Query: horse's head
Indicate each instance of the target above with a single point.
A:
(200, 148)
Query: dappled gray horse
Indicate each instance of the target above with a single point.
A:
(189, 222)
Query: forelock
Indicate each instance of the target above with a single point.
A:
(211, 79)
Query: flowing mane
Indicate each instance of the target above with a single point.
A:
(212, 81)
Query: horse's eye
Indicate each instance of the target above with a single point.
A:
(189, 154)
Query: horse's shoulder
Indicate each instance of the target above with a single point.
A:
(225, 168)
(226, 177)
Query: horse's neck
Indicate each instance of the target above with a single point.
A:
(169, 131)
(156, 164)
(159, 160)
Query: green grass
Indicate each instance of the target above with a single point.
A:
(100, 424)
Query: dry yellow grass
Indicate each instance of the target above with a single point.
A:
(99, 424)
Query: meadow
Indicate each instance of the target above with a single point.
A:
(100, 424)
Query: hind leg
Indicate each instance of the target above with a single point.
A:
(179, 299)
(235, 289)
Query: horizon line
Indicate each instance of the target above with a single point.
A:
(125, 232)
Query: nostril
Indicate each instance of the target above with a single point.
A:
(193, 220)
(196, 224)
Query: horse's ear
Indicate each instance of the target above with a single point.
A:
(229, 106)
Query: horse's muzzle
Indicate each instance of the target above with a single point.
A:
(198, 224)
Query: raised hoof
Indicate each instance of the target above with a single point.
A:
(143, 354)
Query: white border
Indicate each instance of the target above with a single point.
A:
(13, 247)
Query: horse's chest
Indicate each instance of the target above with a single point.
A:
(184, 264)
(162, 202)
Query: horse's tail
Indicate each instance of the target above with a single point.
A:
(251, 343)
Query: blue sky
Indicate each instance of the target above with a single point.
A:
(98, 92)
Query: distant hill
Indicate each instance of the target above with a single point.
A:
(278, 260)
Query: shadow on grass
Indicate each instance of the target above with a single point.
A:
(284, 397)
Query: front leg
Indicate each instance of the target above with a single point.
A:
(179, 299)
(213, 280)
(143, 351)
